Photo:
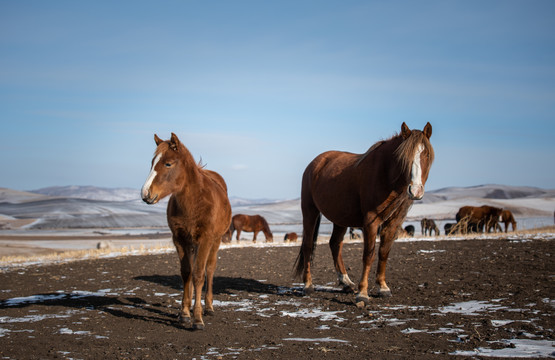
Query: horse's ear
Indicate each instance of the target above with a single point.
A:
(405, 131)
(427, 130)
(157, 140)
(174, 142)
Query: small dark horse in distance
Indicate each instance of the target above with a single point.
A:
(363, 190)
(250, 223)
(429, 225)
(409, 229)
(198, 215)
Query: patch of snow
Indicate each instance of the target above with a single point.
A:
(471, 307)
(315, 313)
(316, 340)
(516, 348)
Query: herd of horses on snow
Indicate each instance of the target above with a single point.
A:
(470, 219)
(372, 191)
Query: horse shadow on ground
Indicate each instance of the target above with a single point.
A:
(110, 304)
(226, 285)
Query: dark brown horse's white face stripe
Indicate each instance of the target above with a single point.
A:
(146, 191)
(416, 186)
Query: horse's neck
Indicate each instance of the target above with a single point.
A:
(193, 174)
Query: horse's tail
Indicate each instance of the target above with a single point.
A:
(231, 229)
(308, 244)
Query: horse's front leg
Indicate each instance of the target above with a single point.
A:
(387, 238)
(254, 236)
(336, 245)
(185, 254)
(199, 271)
(370, 232)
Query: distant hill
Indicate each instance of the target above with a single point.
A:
(91, 193)
(121, 194)
(93, 207)
(487, 192)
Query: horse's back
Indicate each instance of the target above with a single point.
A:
(328, 180)
(217, 178)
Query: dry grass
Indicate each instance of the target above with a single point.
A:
(75, 255)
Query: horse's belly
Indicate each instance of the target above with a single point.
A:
(342, 214)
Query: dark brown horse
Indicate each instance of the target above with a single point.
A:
(292, 236)
(409, 229)
(250, 223)
(198, 214)
(429, 225)
(508, 218)
(363, 190)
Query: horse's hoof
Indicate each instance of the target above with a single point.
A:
(309, 290)
(348, 289)
(362, 298)
(184, 319)
(384, 293)
(198, 326)
(208, 312)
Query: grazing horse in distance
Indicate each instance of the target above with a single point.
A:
(429, 225)
(363, 190)
(292, 236)
(250, 223)
(508, 218)
(449, 228)
(198, 215)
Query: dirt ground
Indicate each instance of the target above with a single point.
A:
(464, 297)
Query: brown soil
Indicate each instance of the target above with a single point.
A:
(126, 307)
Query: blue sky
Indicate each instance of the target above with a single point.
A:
(257, 88)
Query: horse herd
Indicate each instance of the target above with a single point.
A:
(471, 219)
(372, 191)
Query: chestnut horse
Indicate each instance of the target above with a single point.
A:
(292, 236)
(363, 190)
(250, 223)
(198, 215)
(508, 218)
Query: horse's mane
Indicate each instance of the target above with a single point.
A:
(405, 151)
(372, 148)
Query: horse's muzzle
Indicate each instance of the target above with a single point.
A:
(150, 200)
(416, 192)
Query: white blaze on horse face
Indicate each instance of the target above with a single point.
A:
(148, 183)
(416, 187)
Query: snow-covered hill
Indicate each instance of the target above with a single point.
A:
(91, 207)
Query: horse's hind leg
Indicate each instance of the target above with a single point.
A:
(210, 269)
(311, 223)
(336, 245)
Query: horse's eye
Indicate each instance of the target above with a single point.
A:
(168, 165)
